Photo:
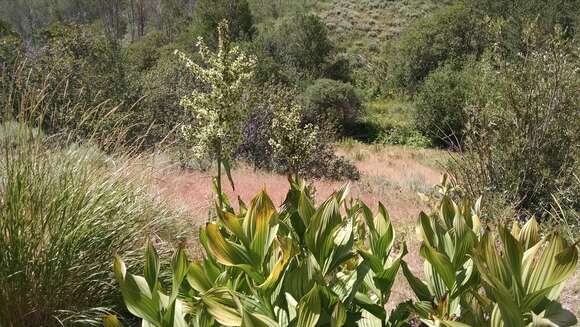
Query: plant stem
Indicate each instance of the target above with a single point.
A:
(219, 175)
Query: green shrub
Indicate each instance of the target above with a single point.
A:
(299, 49)
(331, 104)
(209, 13)
(440, 105)
(403, 135)
(518, 13)
(304, 149)
(451, 33)
(162, 87)
(62, 216)
(523, 131)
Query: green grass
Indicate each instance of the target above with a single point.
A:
(390, 112)
(63, 213)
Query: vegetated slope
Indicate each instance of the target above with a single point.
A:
(366, 24)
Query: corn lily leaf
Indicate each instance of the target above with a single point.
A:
(309, 308)
(151, 267)
(441, 264)
(420, 289)
(136, 294)
(223, 306)
(179, 266)
(261, 225)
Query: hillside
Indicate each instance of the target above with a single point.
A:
(365, 25)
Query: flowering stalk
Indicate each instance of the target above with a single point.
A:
(217, 107)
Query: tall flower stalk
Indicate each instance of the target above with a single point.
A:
(217, 106)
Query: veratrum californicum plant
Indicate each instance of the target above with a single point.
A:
(335, 264)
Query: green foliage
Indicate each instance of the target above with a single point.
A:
(518, 13)
(403, 135)
(451, 33)
(301, 266)
(277, 138)
(524, 111)
(525, 281)
(62, 215)
(162, 87)
(472, 282)
(447, 236)
(297, 48)
(440, 105)
(292, 141)
(331, 104)
(327, 266)
(92, 64)
(209, 13)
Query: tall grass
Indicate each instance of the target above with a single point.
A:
(63, 213)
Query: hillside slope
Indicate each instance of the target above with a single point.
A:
(363, 25)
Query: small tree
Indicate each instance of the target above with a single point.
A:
(291, 141)
(218, 108)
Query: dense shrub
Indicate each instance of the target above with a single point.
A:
(91, 63)
(162, 87)
(11, 49)
(302, 154)
(518, 13)
(523, 130)
(451, 33)
(209, 13)
(331, 104)
(298, 47)
(440, 105)
(142, 55)
(62, 215)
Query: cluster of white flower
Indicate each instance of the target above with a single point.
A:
(218, 108)
(290, 141)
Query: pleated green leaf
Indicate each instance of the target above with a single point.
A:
(309, 308)
(441, 264)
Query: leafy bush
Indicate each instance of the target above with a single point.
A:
(523, 130)
(278, 138)
(403, 135)
(323, 266)
(451, 33)
(518, 13)
(72, 86)
(209, 13)
(331, 104)
(62, 215)
(298, 47)
(163, 86)
(440, 105)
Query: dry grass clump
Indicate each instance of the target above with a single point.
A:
(64, 211)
